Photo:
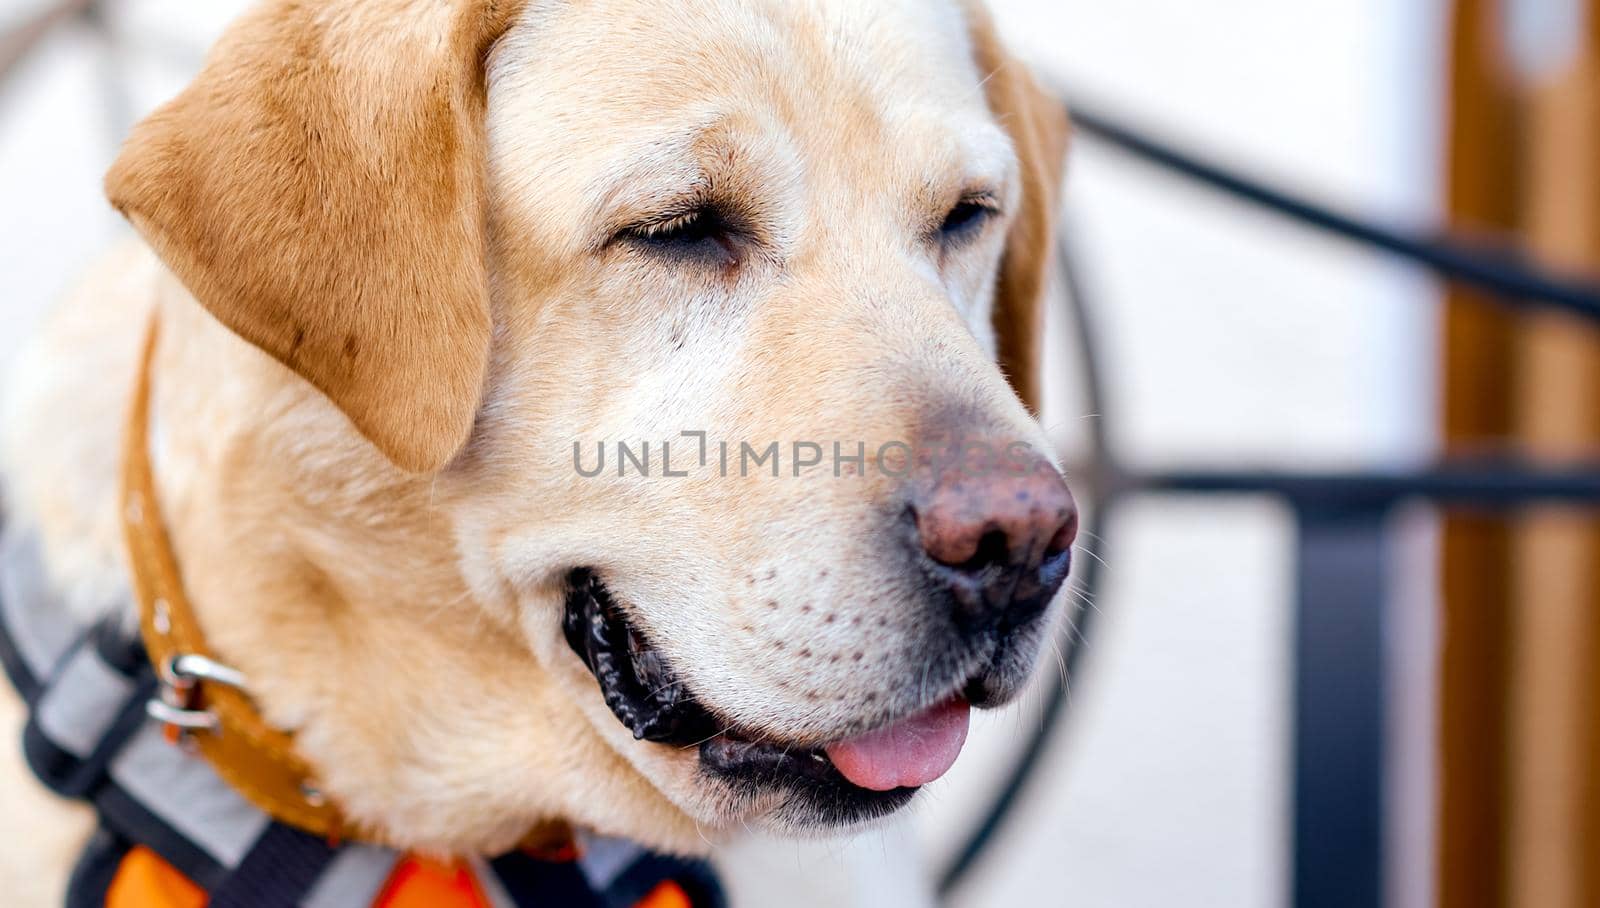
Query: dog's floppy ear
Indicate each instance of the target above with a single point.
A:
(1037, 124)
(319, 188)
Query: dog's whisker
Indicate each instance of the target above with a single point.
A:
(669, 685)
(705, 739)
(984, 82)
(1079, 590)
(1084, 599)
(1063, 423)
(1061, 660)
(699, 831)
(1085, 550)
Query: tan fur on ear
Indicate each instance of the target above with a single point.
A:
(320, 189)
(1037, 123)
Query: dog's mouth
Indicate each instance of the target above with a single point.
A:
(867, 774)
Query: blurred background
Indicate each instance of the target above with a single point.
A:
(1333, 697)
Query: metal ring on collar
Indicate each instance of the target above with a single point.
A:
(184, 719)
(188, 667)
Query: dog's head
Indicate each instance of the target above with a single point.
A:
(709, 325)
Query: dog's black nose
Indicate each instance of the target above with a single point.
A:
(998, 533)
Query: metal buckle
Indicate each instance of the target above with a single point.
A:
(180, 722)
(192, 668)
(174, 708)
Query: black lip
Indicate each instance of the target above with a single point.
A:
(638, 685)
(651, 702)
(819, 794)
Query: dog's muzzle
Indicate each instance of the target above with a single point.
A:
(642, 691)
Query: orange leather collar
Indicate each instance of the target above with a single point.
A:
(259, 761)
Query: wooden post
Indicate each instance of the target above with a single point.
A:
(1478, 359)
(1557, 553)
(1520, 687)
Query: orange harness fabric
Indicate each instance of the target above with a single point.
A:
(418, 883)
(144, 880)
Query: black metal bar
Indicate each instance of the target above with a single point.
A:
(1466, 485)
(1496, 268)
(1339, 675)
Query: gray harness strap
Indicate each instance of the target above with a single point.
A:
(81, 701)
(197, 805)
(354, 877)
(37, 630)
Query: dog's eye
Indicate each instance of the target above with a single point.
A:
(701, 234)
(966, 219)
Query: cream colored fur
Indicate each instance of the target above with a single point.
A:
(406, 624)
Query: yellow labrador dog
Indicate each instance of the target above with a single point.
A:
(551, 406)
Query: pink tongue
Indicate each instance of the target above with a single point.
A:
(909, 753)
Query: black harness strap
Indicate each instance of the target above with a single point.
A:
(277, 873)
(132, 823)
(560, 883)
(97, 866)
